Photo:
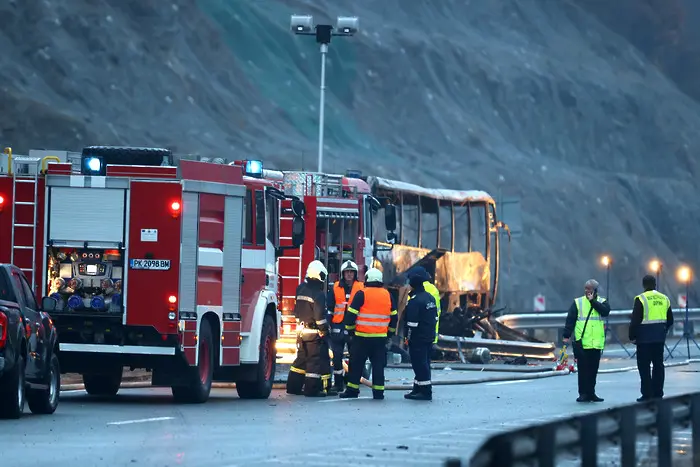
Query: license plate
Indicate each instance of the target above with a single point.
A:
(152, 264)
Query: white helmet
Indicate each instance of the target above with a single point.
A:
(316, 270)
(348, 266)
(374, 275)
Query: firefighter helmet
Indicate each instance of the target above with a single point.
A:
(316, 270)
(374, 275)
(348, 266)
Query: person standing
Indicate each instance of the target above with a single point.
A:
(585, 321)
(339, 296)
(421, 316)
(372, 318)
(651, 319)
(310, 373)
(433, 291)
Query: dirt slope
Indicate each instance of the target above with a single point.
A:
(535, 97)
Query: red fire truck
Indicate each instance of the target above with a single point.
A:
(338, 219)
(143, 262)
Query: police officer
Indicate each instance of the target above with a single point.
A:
(372, 318)
(312, 367)
(651, 319)
(433, 291)
(585, 320)
(421, 317)
(339, 296)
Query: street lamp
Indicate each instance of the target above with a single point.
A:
(303, 25)
(655, 266)
(684, 276)
(606, 261)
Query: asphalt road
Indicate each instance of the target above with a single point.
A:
(144, 427)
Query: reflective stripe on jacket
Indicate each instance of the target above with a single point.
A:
(375, 315)
(432, 290)
(342, 300)
(654, 319)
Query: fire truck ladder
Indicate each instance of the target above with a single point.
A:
(22, 173)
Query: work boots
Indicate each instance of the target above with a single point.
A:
(377, 394)
(424, 393)
(339, 383)
(349, 394)
(413, 392)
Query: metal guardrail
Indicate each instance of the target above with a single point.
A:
(534, 350)
(556, 320)
(586, 433)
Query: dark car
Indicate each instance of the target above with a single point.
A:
(29, 368)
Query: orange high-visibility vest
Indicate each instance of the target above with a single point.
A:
(374, 315)
(342, 300)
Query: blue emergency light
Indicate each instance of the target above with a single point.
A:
(254, 169)
(93, 165)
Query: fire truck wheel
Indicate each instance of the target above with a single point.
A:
(261, 387)
(200, 377)
(45, 401)
(12, 391)
(103, 384)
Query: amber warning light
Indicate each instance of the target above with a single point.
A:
(172, 300)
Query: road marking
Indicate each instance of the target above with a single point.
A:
(341, 400)
(143, 420)
(499, 383)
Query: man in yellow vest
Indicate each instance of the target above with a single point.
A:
(339, 297)
(652, 317)
(372, 318)
(432, 290)
(585, 321)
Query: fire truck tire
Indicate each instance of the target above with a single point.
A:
(103, 384)
(45, 401)
(201, 376)
(261, 387)
(12, 391)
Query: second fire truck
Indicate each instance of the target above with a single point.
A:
(143, 262)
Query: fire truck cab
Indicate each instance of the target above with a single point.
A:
(338, 227)
(144, 262)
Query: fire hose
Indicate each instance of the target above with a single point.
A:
(345, 368)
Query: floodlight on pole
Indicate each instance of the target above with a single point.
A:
(655, 266)
(684, 276)
(303, 25)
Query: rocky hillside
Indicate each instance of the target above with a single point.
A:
(537, 98)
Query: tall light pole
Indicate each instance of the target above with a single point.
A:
(684, 276)
(606, 261)
(303, 25)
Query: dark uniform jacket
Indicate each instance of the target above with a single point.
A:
(421, 317)
(310, 306)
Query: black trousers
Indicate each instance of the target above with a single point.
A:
(338, 341)
(363, 348)
(588, 363)
(310, 373)
(652, 381)
(420, 361)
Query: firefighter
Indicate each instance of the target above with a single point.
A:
(652, 317)
(371, 320)
(311, 369)
(339, 296)
(421, 316)
(585, 321)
